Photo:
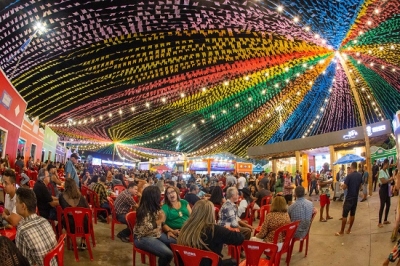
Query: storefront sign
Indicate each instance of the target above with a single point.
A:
(350, 135)
(222, 166)
(198, 166)
(371, 130)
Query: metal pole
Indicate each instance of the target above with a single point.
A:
(363, 121)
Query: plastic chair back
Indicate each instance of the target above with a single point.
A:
(78, 213)
(249, 213)
(216, 210)
(264, 210)
(131, 220)
(119, 188)
(60, 213)
(32, 183)
(57, 251)
(254, 250)
(266, 200)
(287, 232)
(193, 256)
(112, 208)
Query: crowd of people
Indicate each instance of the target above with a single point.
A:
(176, 208)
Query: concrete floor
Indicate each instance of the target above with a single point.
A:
(366, 245)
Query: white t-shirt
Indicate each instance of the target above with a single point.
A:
(241, 182)
(9, 203)
(242, 207)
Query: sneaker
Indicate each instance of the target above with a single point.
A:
(123, 238)
(82, 246)
(101, 218)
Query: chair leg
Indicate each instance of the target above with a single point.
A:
(112, 229)
(75, 246)
(143, 258)
(89, 247)
(301, 245)
(134, 256)
(92, 234)
(152, 260)
(306, 247)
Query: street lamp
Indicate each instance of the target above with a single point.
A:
(39, 28)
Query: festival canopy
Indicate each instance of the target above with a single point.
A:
(152, 78)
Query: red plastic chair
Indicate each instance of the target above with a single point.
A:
(113, 216)
(216, 210)
(287, 232)
(119, 188)
(79, 214)
(266, 200)
(131, 220)
(249, 214)
(264, 210)
(32, 183)
(306, 238)
(254, 250)
(33, 175)
(193, 256)
(60, 213)
(94, 200)
(57, 252)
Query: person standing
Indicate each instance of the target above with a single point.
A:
(288, 189)
(384, 182)
(241, 182)
(353, 184)
(70, 170)
(324, 183)
(375, 170)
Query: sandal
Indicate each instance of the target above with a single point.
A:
(323, 220)
(338, 234)
(380, 225)
(329, 217)
(386, 222)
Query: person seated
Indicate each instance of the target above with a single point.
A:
(273, 220)
(228, 214)
(54, 180)
(10, 254)
(301, 210)
(123, 204)
(45, 202)
(217, 197)
(192, 197)
(118, 180)
(176, 211)
(100, 189)
(35, 236)
(147, 234)
(24, 181)
(200, 232)
(244, 203)
(72, 197)
(260, 194)
(9, 214)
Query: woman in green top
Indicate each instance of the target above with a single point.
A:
(384, 181)
(279, 183)
(176, 211)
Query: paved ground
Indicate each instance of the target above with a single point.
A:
(366, 245)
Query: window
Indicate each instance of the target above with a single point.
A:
(33, 151)
(21, 147)
(3, 139)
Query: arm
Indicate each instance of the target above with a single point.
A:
(12, 218)
(264, 228)
(55, 179)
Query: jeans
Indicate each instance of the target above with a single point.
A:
(125, 232)
(106, 206)
(167, 241)
(385, 201)
(157, 247)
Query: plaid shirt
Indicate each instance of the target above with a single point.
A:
(124, 202)
(228, 214)
(35, 238)
(101, 191)
(301, 210)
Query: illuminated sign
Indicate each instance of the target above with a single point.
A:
(371, 130)
(350, 135)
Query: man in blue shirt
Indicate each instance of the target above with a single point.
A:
(70, 170)
(301, 210)
(352, 183)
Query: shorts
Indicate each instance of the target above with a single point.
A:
(365, 189)
(349, 205)
(324, 200)
(288, 198)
